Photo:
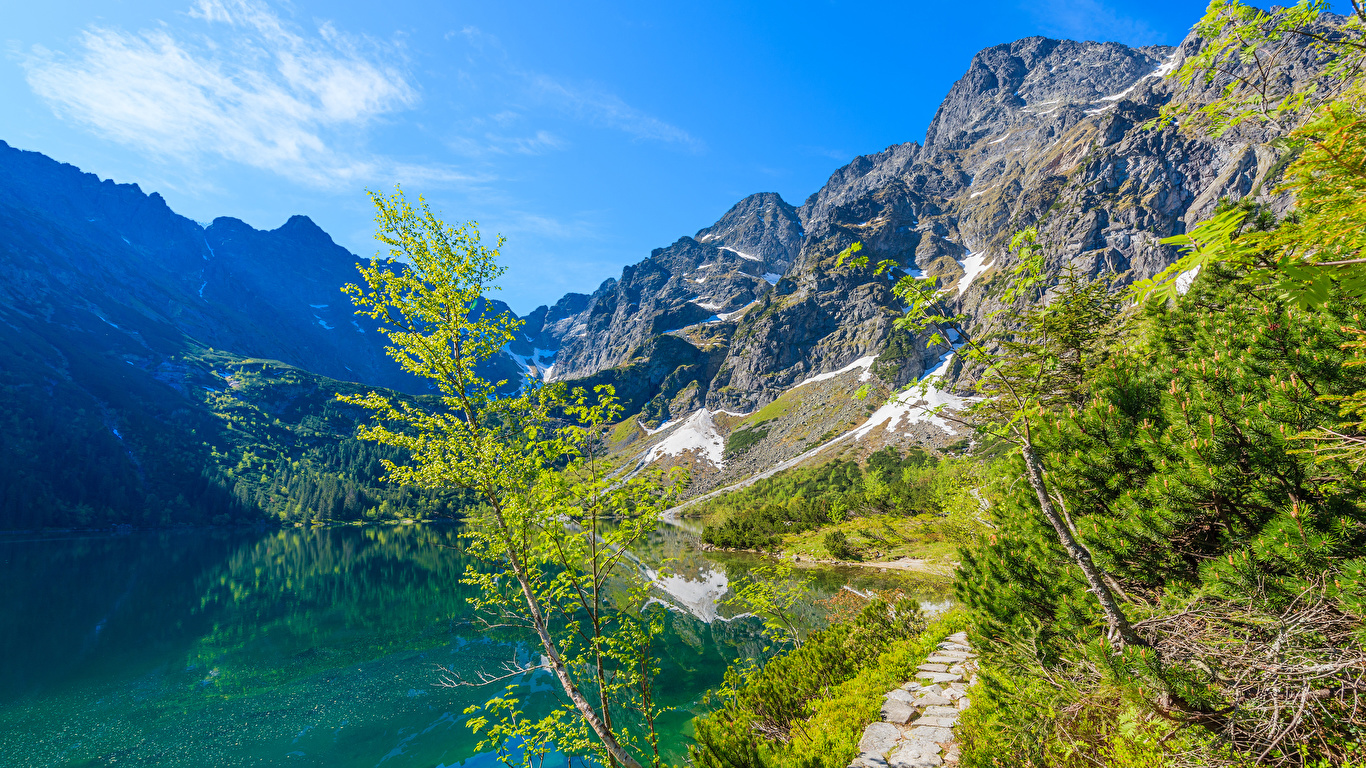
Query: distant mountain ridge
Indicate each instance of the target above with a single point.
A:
(73, 239)
(736, 349)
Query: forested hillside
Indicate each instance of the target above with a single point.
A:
(208, 437)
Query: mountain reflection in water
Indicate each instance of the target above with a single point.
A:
(306, 646)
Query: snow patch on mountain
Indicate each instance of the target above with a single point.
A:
(917, 404)
(739, 253)
(863, 362)
(974, 265)
(697, 433)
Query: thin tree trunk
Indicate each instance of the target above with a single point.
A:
(1119, 623)
(609, 740)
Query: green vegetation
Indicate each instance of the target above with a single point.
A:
(741, 440)
(891, 506)
(837, 544)
(211, 438)
(552, 534)
(808, 707)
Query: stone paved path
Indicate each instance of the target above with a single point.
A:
(918, 718)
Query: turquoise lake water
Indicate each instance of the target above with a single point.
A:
(307, 647)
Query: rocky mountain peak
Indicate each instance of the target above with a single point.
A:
(1004, 80)
(761, 227)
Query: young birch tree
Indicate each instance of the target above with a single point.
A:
(552, 533)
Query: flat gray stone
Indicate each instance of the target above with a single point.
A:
(933, 668)
(956, 669)
(899, 695)
(963, 703)
(879, 738)
(946, 646)
(955, 694)
(933, 699)
(897, 711)
(868, 761)
(912, 687)
(938, 722)
(912, 755)
(939, 677)
(947, 657)
(939, 711)
(958, 637)
(936, 734)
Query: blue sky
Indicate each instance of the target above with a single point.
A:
(587, 133)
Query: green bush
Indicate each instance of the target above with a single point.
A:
(837, 544)
(741, 440)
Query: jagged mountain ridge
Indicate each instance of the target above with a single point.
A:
(1037, 132)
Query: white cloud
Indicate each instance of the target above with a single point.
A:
(248, 89)
(586, 103)
(596, 106)
(1093, 20)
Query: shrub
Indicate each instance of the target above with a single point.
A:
(837, 544)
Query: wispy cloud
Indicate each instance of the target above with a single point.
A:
(606, 109)
(1092, 20)
(247, 87)
(584, 102)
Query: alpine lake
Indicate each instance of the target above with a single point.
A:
(317, 646)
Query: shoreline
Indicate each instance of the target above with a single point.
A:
(901, 564)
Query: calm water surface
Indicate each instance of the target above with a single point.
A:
(298, 647)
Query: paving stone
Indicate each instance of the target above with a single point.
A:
(868, 761)
(947, 646)
(933, 668)
(958, 637)
(899, 695)
(954, 694)
(930, 733)
(963, 703)
(879, 738)
(947, 657)
(912, 687)
(938, 722)
(939, 677)
(897, 711)
(940, 711)
(956, 669)
(912, 755)
(932, 699)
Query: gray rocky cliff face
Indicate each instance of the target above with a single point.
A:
(690, 290)
(1037, 132)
